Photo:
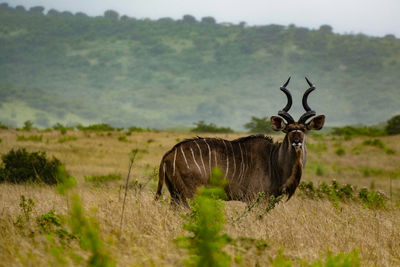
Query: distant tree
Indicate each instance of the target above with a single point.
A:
(325, 29)
(202, 127)
(81, 15)
(390, 37)
(53, 13)
(393, 125)
(20, 9)
(37, 10)
(189, 19)
(208, 20)
(111, 14)
(259, 125)
(67, 14)
(125, 18)
(3, 6)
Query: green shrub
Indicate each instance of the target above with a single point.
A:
(33, 138)
(393, 125)
(380, 144)
(340, 151)
(96, 127)
(373, 199)
(67, 138)
(22, 166)
(63, 130)
(98, 179)
(336, 192)
(28, 125)
(259, 125)
(366, 171)
(353, 131)
(374, 142)
(122, 138)
(202, 127)
(205, 224)
(3, 126)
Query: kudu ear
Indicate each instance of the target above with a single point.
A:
(316, 123)
(277, 123)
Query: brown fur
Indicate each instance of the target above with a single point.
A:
(252, 164)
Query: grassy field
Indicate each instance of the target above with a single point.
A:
(304, 228)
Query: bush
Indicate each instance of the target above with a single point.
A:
(3, 126)
(350, 131)
(96, 127)
(97, 179)
(340, 151)
(336, 192)
(202, 127)
(67, 138)
(21, 166)
(259, 125)
(33, 138)
(393, 125)
(28, 125)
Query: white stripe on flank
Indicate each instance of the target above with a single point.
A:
(173, 172)
(245, 161)
(234, 161)
(201, 157)
(183, 153)
(241, 164)
(209, 155)
(194, 159)
(227, 160)
(165, 167)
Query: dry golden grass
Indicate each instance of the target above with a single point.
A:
(306, 229)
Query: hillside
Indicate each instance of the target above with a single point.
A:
(72, 68)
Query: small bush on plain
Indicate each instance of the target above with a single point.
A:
(336, 192)
(259, 125)
(21, 166)
(202, 127)
(393, 125)
(33, 138)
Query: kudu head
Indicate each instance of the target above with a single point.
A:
(296, 131)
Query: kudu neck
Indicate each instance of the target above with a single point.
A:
(291, 164)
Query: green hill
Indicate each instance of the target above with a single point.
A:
(72, 68)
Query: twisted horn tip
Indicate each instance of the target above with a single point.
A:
(287, 82)
(309, 83)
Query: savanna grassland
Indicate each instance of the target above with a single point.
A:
(305, 228)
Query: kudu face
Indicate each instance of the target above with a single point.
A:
(295, 131)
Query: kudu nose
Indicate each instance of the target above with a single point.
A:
(297, 144)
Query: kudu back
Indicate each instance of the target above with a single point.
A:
(250, 164)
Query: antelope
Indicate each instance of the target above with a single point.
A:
(250, 164)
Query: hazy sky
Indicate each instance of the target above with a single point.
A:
(371, 17)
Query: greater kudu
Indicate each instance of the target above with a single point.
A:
(251, 164)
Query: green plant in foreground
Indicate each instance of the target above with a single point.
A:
(26, 206)
(88, 233)
(205, 223)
